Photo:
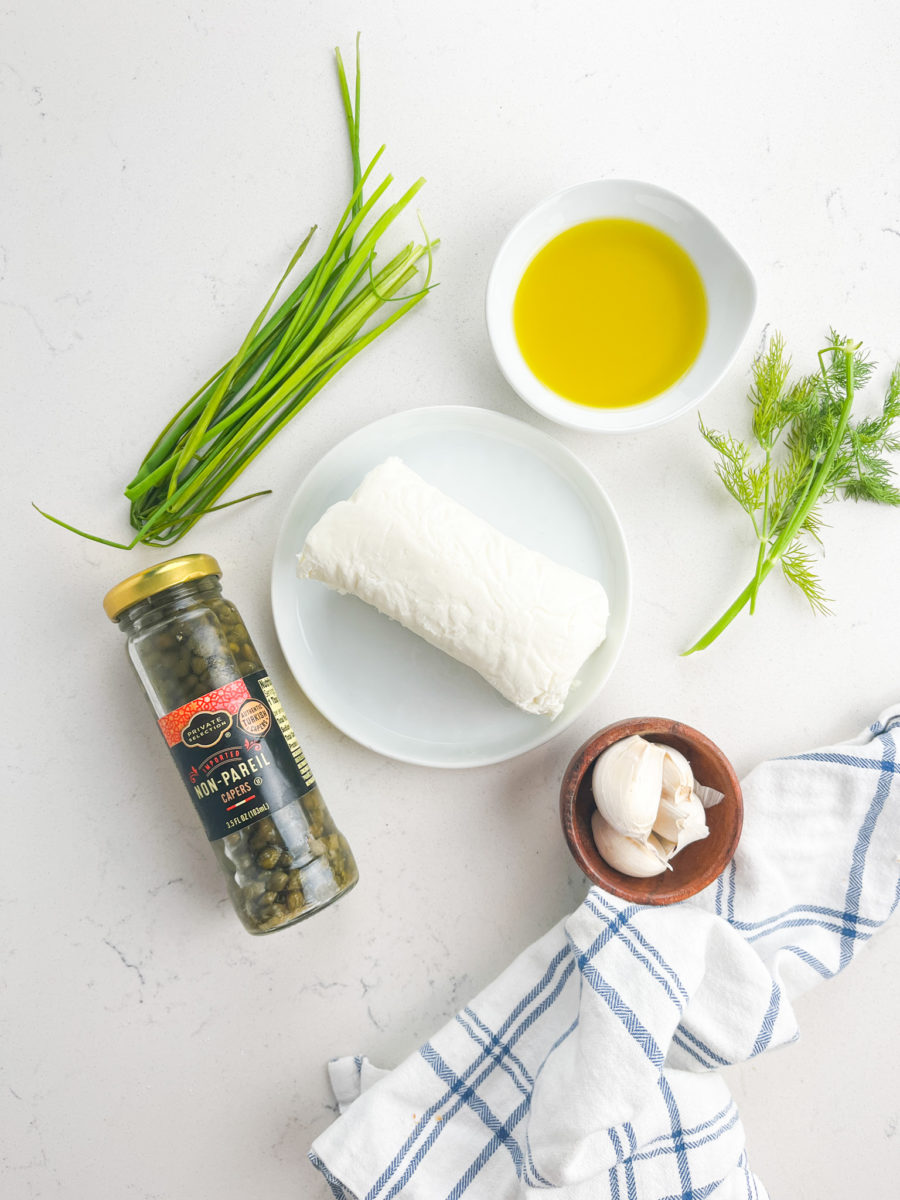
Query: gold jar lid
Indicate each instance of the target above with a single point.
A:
(156, 579)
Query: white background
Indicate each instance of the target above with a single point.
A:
(159, 163)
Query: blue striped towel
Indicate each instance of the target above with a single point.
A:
(588, 1068)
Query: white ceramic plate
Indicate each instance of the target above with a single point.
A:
(730, 295)
(379, 683)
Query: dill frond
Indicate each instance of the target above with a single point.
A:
(810, 453)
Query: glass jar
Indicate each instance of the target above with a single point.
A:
(243, 767)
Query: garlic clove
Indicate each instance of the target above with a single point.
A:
(640, 859)
(675, 799)
(664, 845)
(681, 821)
(692, 826)
(678, 778)
(671, 817)
(627, 784)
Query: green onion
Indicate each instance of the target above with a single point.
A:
(337, 309)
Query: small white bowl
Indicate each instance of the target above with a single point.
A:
(730, 296)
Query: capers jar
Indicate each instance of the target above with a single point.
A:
(237, 754)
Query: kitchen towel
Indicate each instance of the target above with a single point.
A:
(589, 1067)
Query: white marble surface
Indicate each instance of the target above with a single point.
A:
(158, 163)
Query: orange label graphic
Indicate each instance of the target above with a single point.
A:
(225, 700)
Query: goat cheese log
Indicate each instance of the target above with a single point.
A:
(523, 622)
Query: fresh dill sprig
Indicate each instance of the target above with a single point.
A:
(810, 452)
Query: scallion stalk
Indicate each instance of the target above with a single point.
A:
(286, 358)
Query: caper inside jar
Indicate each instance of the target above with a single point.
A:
(243, 767)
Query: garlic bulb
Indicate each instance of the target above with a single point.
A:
(648, 807)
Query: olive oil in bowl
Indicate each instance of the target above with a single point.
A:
(610, 313)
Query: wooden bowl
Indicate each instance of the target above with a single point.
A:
(695, 867)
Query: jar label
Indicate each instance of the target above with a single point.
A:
(237, 754)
